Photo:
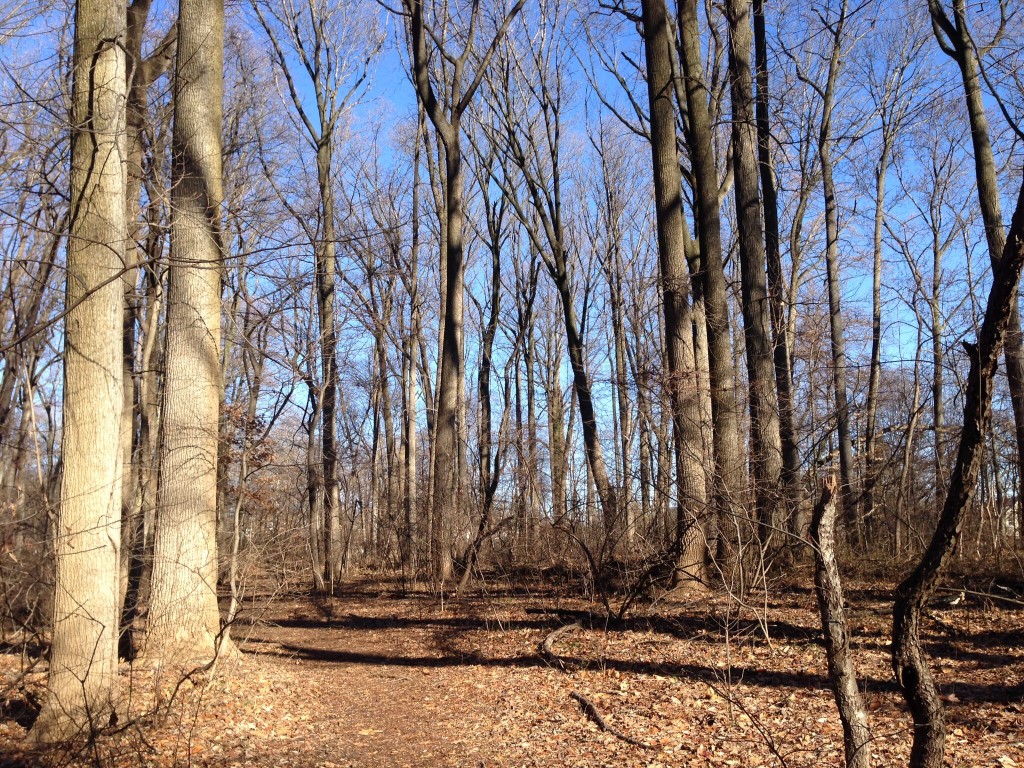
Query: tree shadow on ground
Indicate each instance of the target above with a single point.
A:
(965, 692)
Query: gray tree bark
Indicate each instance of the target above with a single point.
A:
(673, 238)
(908, 659)
(446, 119)
(776, 282)
(184, 620)
(955, 39)
(82, 684)
(829, 590)
(766, 441)
(730, 475)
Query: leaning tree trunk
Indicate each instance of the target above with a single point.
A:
(908, 658)
(829, 590)
(184, 621)
(82, 686)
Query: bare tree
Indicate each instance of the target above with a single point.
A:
(730, 474)
(834, 34)
(892, 90)
(457, 91)
(956, 40)
(530, 115)
(331, 43)
(908, 659)
(765, 437)
(776, 282)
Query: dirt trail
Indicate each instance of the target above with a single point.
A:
(356, 692)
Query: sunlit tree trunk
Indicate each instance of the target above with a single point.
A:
(184, 621)
(766, 442)
(730, 475)
(82, 685)
(673, 237)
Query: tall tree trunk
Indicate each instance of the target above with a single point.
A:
(446, 447)
(144, 504)
(837, 326)
(766, 442)
(776, 284)
(598, 471)
(184, 621)
(673, 237)
(938, 362)
(557, 456)
(874, 374)
(956, 40)
(82, 683)
(142, 72)
(728, 447)
(409, 423)
(533, 513)
(325, 299)
(446, 119)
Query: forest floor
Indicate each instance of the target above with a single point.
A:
(381, 678)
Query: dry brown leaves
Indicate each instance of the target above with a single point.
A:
(377, 679)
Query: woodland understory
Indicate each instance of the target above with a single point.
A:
(511, 382)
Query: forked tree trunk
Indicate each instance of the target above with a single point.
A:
(184, 621)
(82, 684)
(446, 119)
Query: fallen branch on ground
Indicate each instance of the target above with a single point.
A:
(546, 648)
(591, 712)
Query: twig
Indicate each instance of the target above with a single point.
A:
(988, 595)
(591, 712)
